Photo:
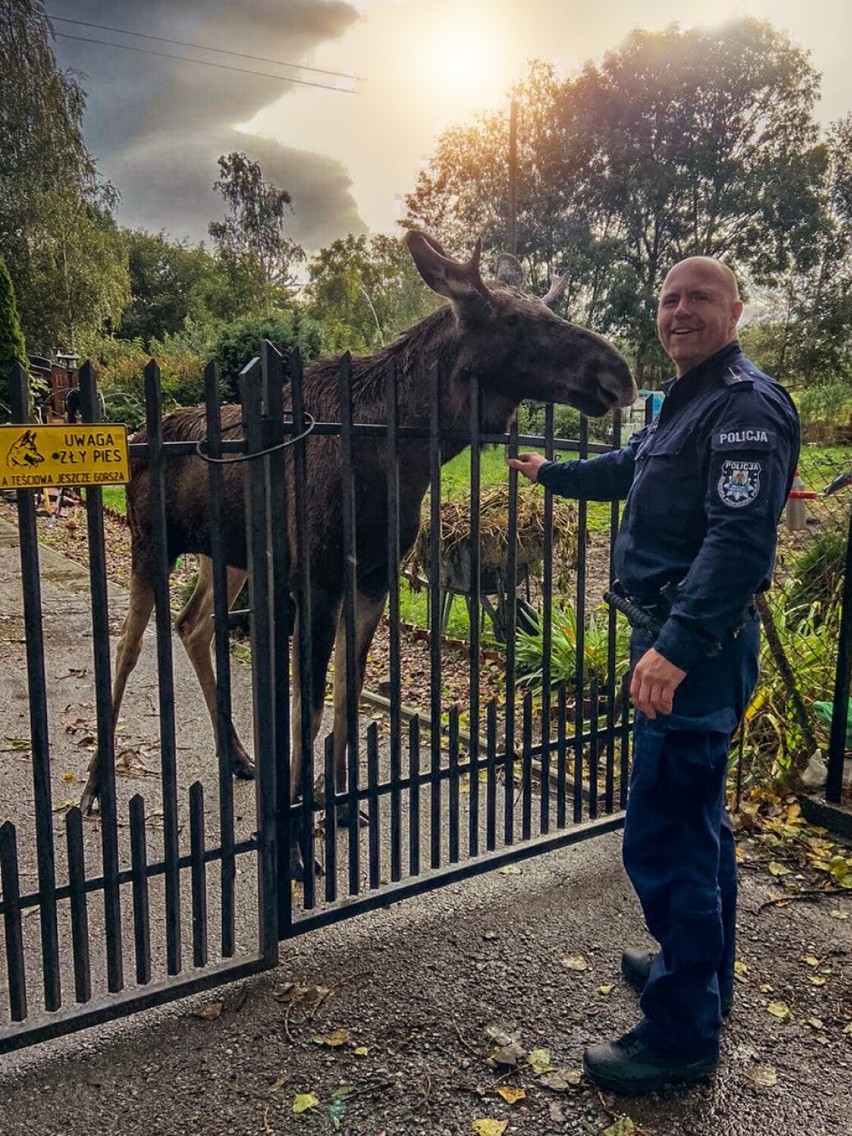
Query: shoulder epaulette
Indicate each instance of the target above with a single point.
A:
(736, 379)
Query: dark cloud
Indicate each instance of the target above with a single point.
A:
(157, 126)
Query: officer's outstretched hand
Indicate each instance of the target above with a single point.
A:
(654, 682)
(528, 465)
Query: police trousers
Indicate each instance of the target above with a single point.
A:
(678, 845)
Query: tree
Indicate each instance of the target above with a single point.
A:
(252, 241)
(12, 347)
(56, 229)
(171, 282)
(678, 143)
(365, 291)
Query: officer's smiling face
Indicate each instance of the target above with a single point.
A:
(698, 311)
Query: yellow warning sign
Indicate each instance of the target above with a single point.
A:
(35, 456)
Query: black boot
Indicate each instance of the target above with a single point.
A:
(631, 1065)
(636, 967)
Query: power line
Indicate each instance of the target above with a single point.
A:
(207, 63)
(201, 47)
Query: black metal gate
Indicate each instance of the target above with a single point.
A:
(182, 887)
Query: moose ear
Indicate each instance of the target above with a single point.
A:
(456, 281)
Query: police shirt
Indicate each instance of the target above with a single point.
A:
(705, 485)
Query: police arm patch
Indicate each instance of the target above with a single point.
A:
(739, 483)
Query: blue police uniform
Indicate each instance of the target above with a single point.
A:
(704, 487)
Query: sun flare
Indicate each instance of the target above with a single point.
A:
(464, 60)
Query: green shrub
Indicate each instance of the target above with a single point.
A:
(529, 649)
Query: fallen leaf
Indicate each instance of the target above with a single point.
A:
(811, 960)
(508, 1054)
(780, 1010)
(575, 962)
(511, 1095)
(839, 914)
(334, 1040)
(608, 989)
(303, 1101)
(776, 869)
(624, 1126)
(562, 1080)
(510, 870)
(279, 1082)
(210, 1012)
(817, 980)
(740, 970)
(361, 1050)
(490, 1127)
(816, 1023)
(539, 1061)
(762, 1075)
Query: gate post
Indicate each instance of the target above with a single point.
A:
(263, 660)
(839, 717)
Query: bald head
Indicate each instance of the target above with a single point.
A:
(698, 311)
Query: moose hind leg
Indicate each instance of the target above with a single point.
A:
(368, 611)
(195, 627)
(140, 606)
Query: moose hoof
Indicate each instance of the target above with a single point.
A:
(243, 770)
(297, 867)
(89, 799)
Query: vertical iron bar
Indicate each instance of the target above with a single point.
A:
(624, 748)
(580, 624)
(453, 811)
(141, 899)
(39, 735)
(330, 825)
(435, 609)
(272, 372)
(263, 667)
(79, 907)
(509, 607)
(224, 733)
(526, 768)
(198, 874)
(165, 670)
(13, 931)
(561, 751)
(301, 761)
(350, 590)
(594, 748)
(103, 702)
(612, 693)
(546, 618)
(373, 830)
(491, 776)
(414, 796)
(394, 665)
(475, 609)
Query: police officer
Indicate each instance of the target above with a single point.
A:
(705, 485)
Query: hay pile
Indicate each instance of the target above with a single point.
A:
(494, 533)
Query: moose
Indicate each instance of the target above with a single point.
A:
(512, 342)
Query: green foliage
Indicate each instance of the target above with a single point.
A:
(529, 649)
(818, 573)
(241, 342)
(12, 347)
(56, 231)
(677, 143)
(364, 291)
(531, 420)
(254, 248)
(121, 377)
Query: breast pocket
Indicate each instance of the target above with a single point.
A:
(669, 489)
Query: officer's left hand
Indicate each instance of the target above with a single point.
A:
(654, 682)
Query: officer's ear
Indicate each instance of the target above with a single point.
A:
(736, 311)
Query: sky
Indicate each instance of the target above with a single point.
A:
(156, 126)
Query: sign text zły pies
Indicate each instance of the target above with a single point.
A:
(35, 456)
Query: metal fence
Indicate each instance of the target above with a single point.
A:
(190, 883)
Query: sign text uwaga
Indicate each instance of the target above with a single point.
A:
(36, 456)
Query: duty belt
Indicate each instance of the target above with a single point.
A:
(650, 615)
